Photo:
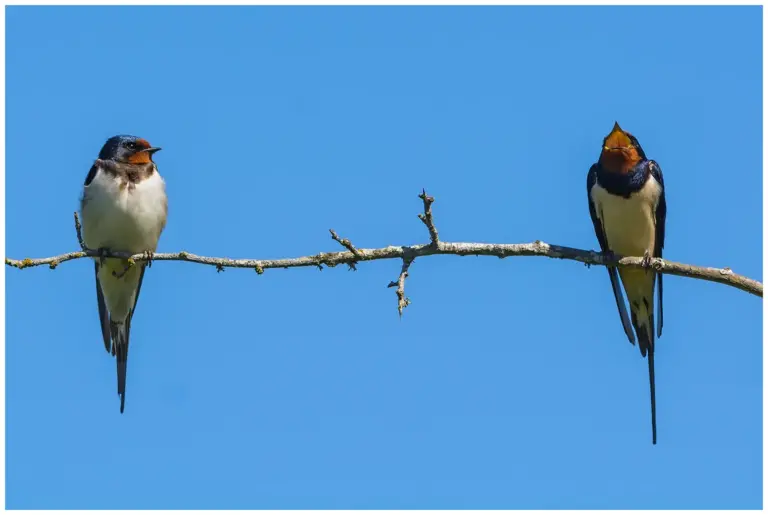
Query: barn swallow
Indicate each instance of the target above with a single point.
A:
(124, 209)
(629, 210)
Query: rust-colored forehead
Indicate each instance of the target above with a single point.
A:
(142, 143)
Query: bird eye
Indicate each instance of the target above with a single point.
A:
(131, 145)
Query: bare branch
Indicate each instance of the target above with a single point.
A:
(402, 300)
(538, 248)
(500, 250)
(426, 216)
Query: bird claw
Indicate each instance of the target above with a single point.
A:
(149, 255)
(646, 263)
(102, 251)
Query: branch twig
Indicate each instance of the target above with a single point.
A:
(426, 216)
(538, 248)
(402, 300)
(78, 229)
(348, 245)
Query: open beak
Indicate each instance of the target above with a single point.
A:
(617, 139)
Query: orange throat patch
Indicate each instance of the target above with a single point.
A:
(620, 160)
(140, 158)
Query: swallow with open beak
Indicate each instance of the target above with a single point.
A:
(628, 209)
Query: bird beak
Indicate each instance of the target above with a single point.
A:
(152, 150)
(617, 139)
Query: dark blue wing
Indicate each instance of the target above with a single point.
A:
(103, 313)
(612, 272)
(661, 224)
(91, 174)
(591, 181)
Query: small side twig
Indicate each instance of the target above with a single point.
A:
(426, 216)
(344, 242)
(78, 229)
(402, 300)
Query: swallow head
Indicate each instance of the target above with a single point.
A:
(128, 149)
(621, 151)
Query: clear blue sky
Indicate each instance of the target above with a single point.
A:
(507, 383)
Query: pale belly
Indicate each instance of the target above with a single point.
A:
(629, 223)
(124, 218)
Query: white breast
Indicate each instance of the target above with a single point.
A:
(629, 223)
(124, 218)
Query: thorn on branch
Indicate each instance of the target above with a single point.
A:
(402, 300)
(78, 230)
(426, 216)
